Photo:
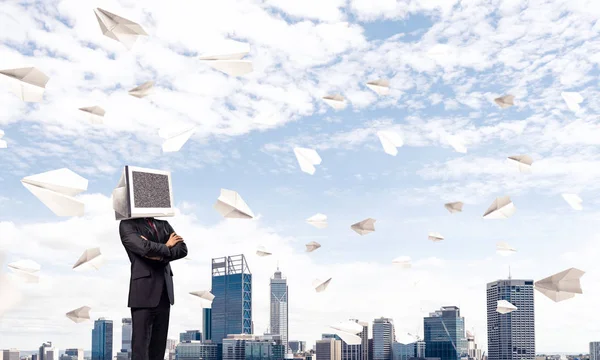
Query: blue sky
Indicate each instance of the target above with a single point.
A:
(301, 51)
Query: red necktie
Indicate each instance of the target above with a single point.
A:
(151, 223)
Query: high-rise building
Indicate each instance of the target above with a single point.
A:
(511, 336)
(190, 335)
(445, 334)
(354, 352)
(300, 346)
(383, 337)
(206, 324)
(51, 353)
(42, 350)
(267, 347)
(595, 350)
(195, 350)
(328, 349)
(371, 349)
(75, 354)
(126, 332)
(473, 352)
(232, 306)
(10, 354)
(102, 340)
(234, 346)
(279, 307)
(402, 351)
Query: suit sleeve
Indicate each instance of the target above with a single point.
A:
(133, 242)
(178, 251)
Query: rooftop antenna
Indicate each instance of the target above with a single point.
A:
(509, 276)
(277, 265)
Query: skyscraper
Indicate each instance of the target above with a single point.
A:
(595, 350)
(102, 340)
(328, 349)
(511, 336)
(206, 324)
(354, 352)
(445, 334)
(232, 306)
(473, 351)
(126, 331)
(11, 354)
(383, 337)
(279, 307)
(190, 335)
(42, 350)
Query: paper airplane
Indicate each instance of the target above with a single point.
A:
(364, 227)
(319, 285)
(435, 236)
(504, 249)
(143, 90)
(204, 294)
(505, 101)
(56, 189)
(262, 251)
(312, 246)
(117, 28)
(231, 205)
(381, 86)
(501, 208)
(573, 100)
(307, 158)
(335, 101)
(390, 141)
(522, 162)
(90, 259)
(347, 331)
(456, 143)
(229, 60)
(26, 270)
(454, 207)
(318, 220)
(504, 307)
(27, 83)
(574, 200)
(3, 144)
(95, 114)
(79, 315)
(176, 136)
(561, 286)
(403, 262)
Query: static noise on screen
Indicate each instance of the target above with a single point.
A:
(151, 190)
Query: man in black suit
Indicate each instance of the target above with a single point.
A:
(150, 244)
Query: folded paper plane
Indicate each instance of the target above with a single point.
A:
(347, 331)
(95, 114)
(307, 158)
(231, 205)
(403, 262)
(3, 144)
(504, 307)
(573, 100)
(318, 220)
(505, 101)
(335, 101)
(26, 270)
(561, 286)
(390, 141)
(454, 207)
(176, 136)
(312, 246)
(457, 143)
(504, 249)
(27, 83)
(319, 285)
(522, 162)
(79, 315)
(143, 90)
(381, 86)
(56, 189)
(574, 200)
(90, 259)
(364, 227)
(262, 251)
(117, 28)
(203, 294)
(435, 236)
(229, 59)
(501, 208)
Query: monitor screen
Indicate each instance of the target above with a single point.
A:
(151, 190)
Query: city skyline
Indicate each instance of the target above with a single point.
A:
(446, 62)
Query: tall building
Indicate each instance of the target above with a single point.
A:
(126, 331)
(206, 324)
(328, 349)
(279, 307)
(445, 334)
(42, 350)
(511, 336)
(267, 347)
(354, 352)
(10, 354)
(234, 346)
(300, 346)
(232, 306)
(402, 351)
(473, 352)
(190, 335)
(195, 350)
(595, 350)
(102, 340)
(383, 337)
(75, 354)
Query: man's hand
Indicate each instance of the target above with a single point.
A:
(174, 239)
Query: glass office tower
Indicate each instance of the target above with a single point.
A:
(279, 307)
(206, 324)
(102, 340)
(511, 336)
(383, 337)
(445, 334)
(232, 306)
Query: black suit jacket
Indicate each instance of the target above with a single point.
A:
(148, 277)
